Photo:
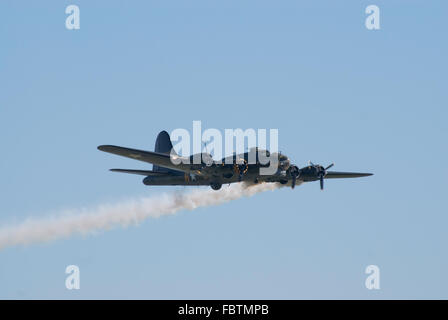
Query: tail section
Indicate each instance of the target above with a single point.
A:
(163, 145)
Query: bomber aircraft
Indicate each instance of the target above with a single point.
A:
(237, 168)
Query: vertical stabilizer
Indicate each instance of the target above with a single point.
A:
(163, 145)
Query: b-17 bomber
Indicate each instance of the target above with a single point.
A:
(172, 169)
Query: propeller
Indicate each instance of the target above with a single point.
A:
(321, 172)
(294, 172)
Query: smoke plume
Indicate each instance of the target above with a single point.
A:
(131, 212)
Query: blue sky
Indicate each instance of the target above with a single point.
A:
(370, 101)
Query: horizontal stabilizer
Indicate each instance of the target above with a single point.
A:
(141, 172)
(336, 175)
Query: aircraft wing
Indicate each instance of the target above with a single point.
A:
(160, 159)
(337, 174)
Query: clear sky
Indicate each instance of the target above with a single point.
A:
(372, 101)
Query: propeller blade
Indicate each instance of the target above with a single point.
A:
(293, 184)
(321, 182)
(329, 166)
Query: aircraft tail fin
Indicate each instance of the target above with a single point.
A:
(163, 145)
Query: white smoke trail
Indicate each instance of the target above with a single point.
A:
(104, 217)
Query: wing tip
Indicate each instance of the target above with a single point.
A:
(341, 175)
(104, 147)
(364, 174)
